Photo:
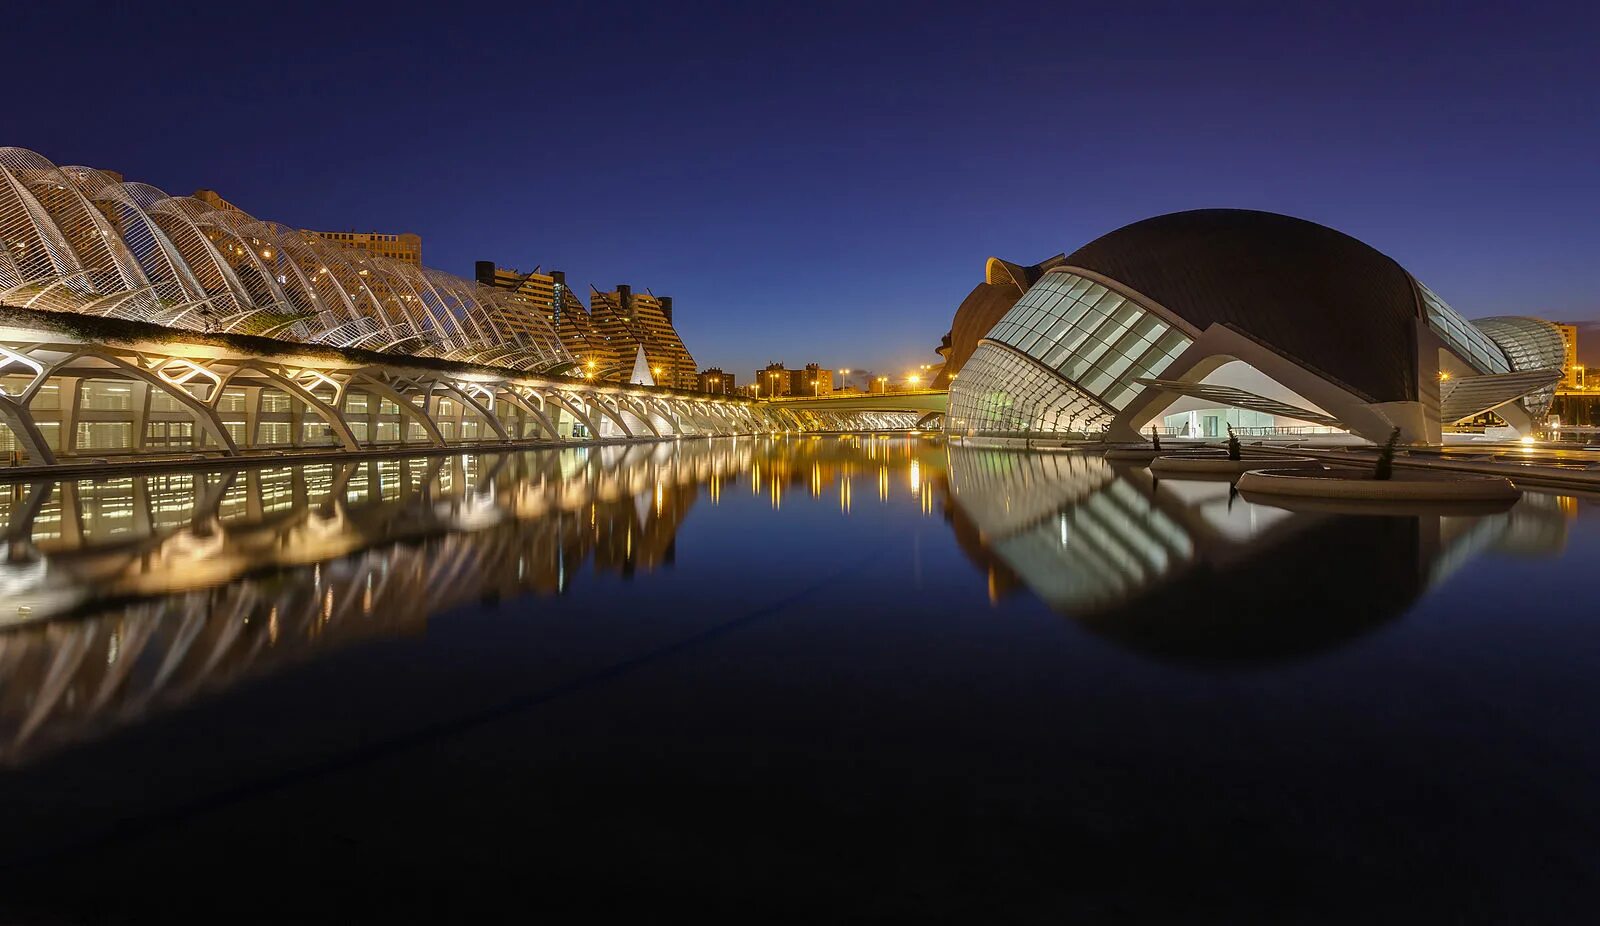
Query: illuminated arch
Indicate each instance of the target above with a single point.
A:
(203, 414)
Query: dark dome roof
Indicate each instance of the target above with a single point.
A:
(1315, 295)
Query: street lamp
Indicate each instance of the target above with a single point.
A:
(913, 379)
(842, 375)
(816, 390)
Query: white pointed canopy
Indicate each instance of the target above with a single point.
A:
(641, 371)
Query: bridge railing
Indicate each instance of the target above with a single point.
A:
(857, 395)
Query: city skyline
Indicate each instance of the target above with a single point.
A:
(806, 180)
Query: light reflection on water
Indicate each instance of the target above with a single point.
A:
(128, 594)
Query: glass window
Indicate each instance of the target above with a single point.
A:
(274, 432)
(275, 400)
(1098, 340)
(48, 396)
(232, 400)
(105, 435)
(105, 395)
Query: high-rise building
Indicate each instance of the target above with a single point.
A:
(1571, 369)
(404, 246)
(548, 295)
(714, 380)
(629, 322)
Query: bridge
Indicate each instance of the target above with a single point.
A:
(875, 411)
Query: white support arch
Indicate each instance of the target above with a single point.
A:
(510, 395)
(665, 413)
(489, 417)
(203, 414)
(625, 405)
(21, 423)
(371, 384)
(594, 401)
(557, 397)
(328, 413)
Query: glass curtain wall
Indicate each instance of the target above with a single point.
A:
(1462, 336)
(1083, 348)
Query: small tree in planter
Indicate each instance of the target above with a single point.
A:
(1234, 450)
(1385, 467)
(1155, 440)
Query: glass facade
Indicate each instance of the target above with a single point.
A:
(1463, 337)
(1095, 341)
(1214, 422)
(1530, 344)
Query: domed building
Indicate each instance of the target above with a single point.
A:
(1198, 320)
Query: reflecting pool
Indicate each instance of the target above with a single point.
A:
(846, 677)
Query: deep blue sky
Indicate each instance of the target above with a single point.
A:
(824, 183)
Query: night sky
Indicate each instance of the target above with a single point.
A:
(824, 183)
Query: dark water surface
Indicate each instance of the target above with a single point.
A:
(814, 679)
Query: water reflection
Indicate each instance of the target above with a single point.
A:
(123, 595)
(1191, 571)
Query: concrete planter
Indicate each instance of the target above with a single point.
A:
(1358, 486)
(1219, 465)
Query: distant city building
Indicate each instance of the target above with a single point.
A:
(628, 323)
(211, 198)
(545, 298)
(714, 380)
(777, 381)
(1571, 369)
(404, 247)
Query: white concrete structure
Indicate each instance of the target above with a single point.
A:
(1279, 318)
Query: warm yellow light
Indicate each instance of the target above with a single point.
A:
(591, 364)
(913, 379)
(954, 375)
(1443, 376)
(1528, 441)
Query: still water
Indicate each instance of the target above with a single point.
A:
(843, 678)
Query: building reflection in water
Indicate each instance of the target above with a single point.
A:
(124, 593)
(1190, 571)
(120, 596)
